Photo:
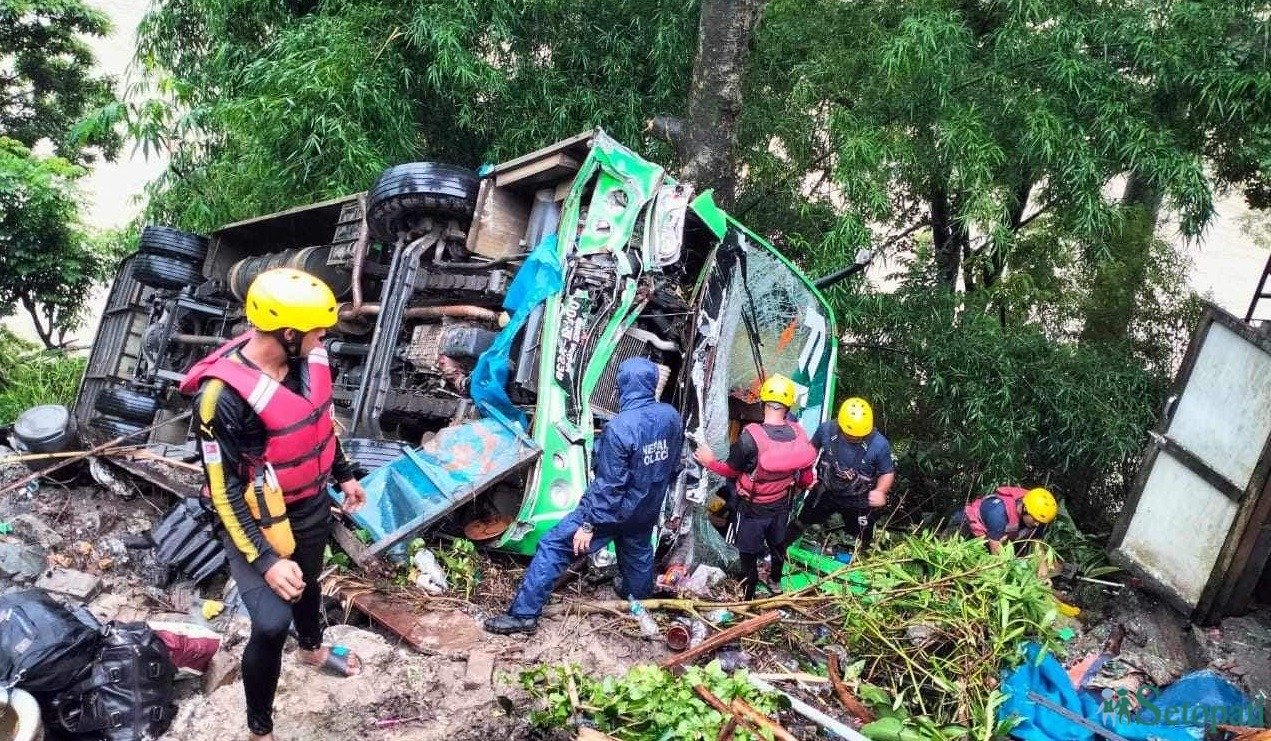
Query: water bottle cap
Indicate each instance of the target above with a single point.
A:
(340, 651)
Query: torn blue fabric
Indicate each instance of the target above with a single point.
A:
(541, 276)
(1042, 673)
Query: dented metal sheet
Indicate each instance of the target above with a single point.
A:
(425, 484)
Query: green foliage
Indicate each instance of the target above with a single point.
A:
(459, 559)
(974, 403)
(339, 559)
(647, 702)
(47, 84)
(941, 618)
(274, 104)
(1082, 550)
(30, 376)
(48, 263)
(869, 116)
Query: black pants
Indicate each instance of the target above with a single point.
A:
(272, 616)
(858, 520)
(757, 527)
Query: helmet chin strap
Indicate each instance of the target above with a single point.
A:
(290, 347)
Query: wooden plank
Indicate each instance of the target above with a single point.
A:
(447, 632)
(350, 544)
(500, 223)
(547, 169)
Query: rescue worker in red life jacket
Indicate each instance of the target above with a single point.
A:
(269, 450)
(854, 471)
(769, 462)
(1011, 513)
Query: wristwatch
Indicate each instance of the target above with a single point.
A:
(586, 527)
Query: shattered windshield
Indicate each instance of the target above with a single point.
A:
(771, 322)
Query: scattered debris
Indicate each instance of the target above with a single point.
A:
(76, 585)
(722, 638)
(448, 632)
(21, 562)
(33, 527)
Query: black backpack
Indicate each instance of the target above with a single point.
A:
(128, 695)
(44, 647)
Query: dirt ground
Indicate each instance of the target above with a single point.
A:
(466, 689)
(450, 695)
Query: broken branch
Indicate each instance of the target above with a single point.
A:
(731, 717)
(853, 706)
(744, 628)
(90, 452)
(751, 713)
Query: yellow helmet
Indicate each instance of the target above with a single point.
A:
(777, 388)
(1041, 505)
(856, 417)
(284, 298)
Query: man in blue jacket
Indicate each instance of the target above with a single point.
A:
(635, 460)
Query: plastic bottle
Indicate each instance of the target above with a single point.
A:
(648, 626)
(697, 633)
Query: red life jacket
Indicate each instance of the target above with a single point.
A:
(299, 433)
(777, 464)
(1010, 496)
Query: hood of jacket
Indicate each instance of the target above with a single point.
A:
(637, 382)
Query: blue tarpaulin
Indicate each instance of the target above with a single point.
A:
(425, 484)
(1195, 699)
(541, 276)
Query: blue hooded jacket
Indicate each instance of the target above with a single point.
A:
(636, 456)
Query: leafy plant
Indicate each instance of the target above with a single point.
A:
(48, 262)
(647, 702)
(1086, 552)
(462, 568)
(30, 376)
(940, 619)
(48, 82)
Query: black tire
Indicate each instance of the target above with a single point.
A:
(127, 404)
(407, 192)
(118, 428)
(163, 271)
(164, 240)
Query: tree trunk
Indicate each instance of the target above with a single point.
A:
(948, 252)
(1000, 250)
(46, 335)
(709, 146)
(1120, 276)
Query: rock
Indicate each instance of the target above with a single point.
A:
(222, 670)
(480, 670)
(370, 647)
(21, 562)
(34, 528)
(77, 585)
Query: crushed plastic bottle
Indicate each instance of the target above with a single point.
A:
(429, 576)
(697, 633)
(648, 626)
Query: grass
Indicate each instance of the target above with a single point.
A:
(30, 376)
